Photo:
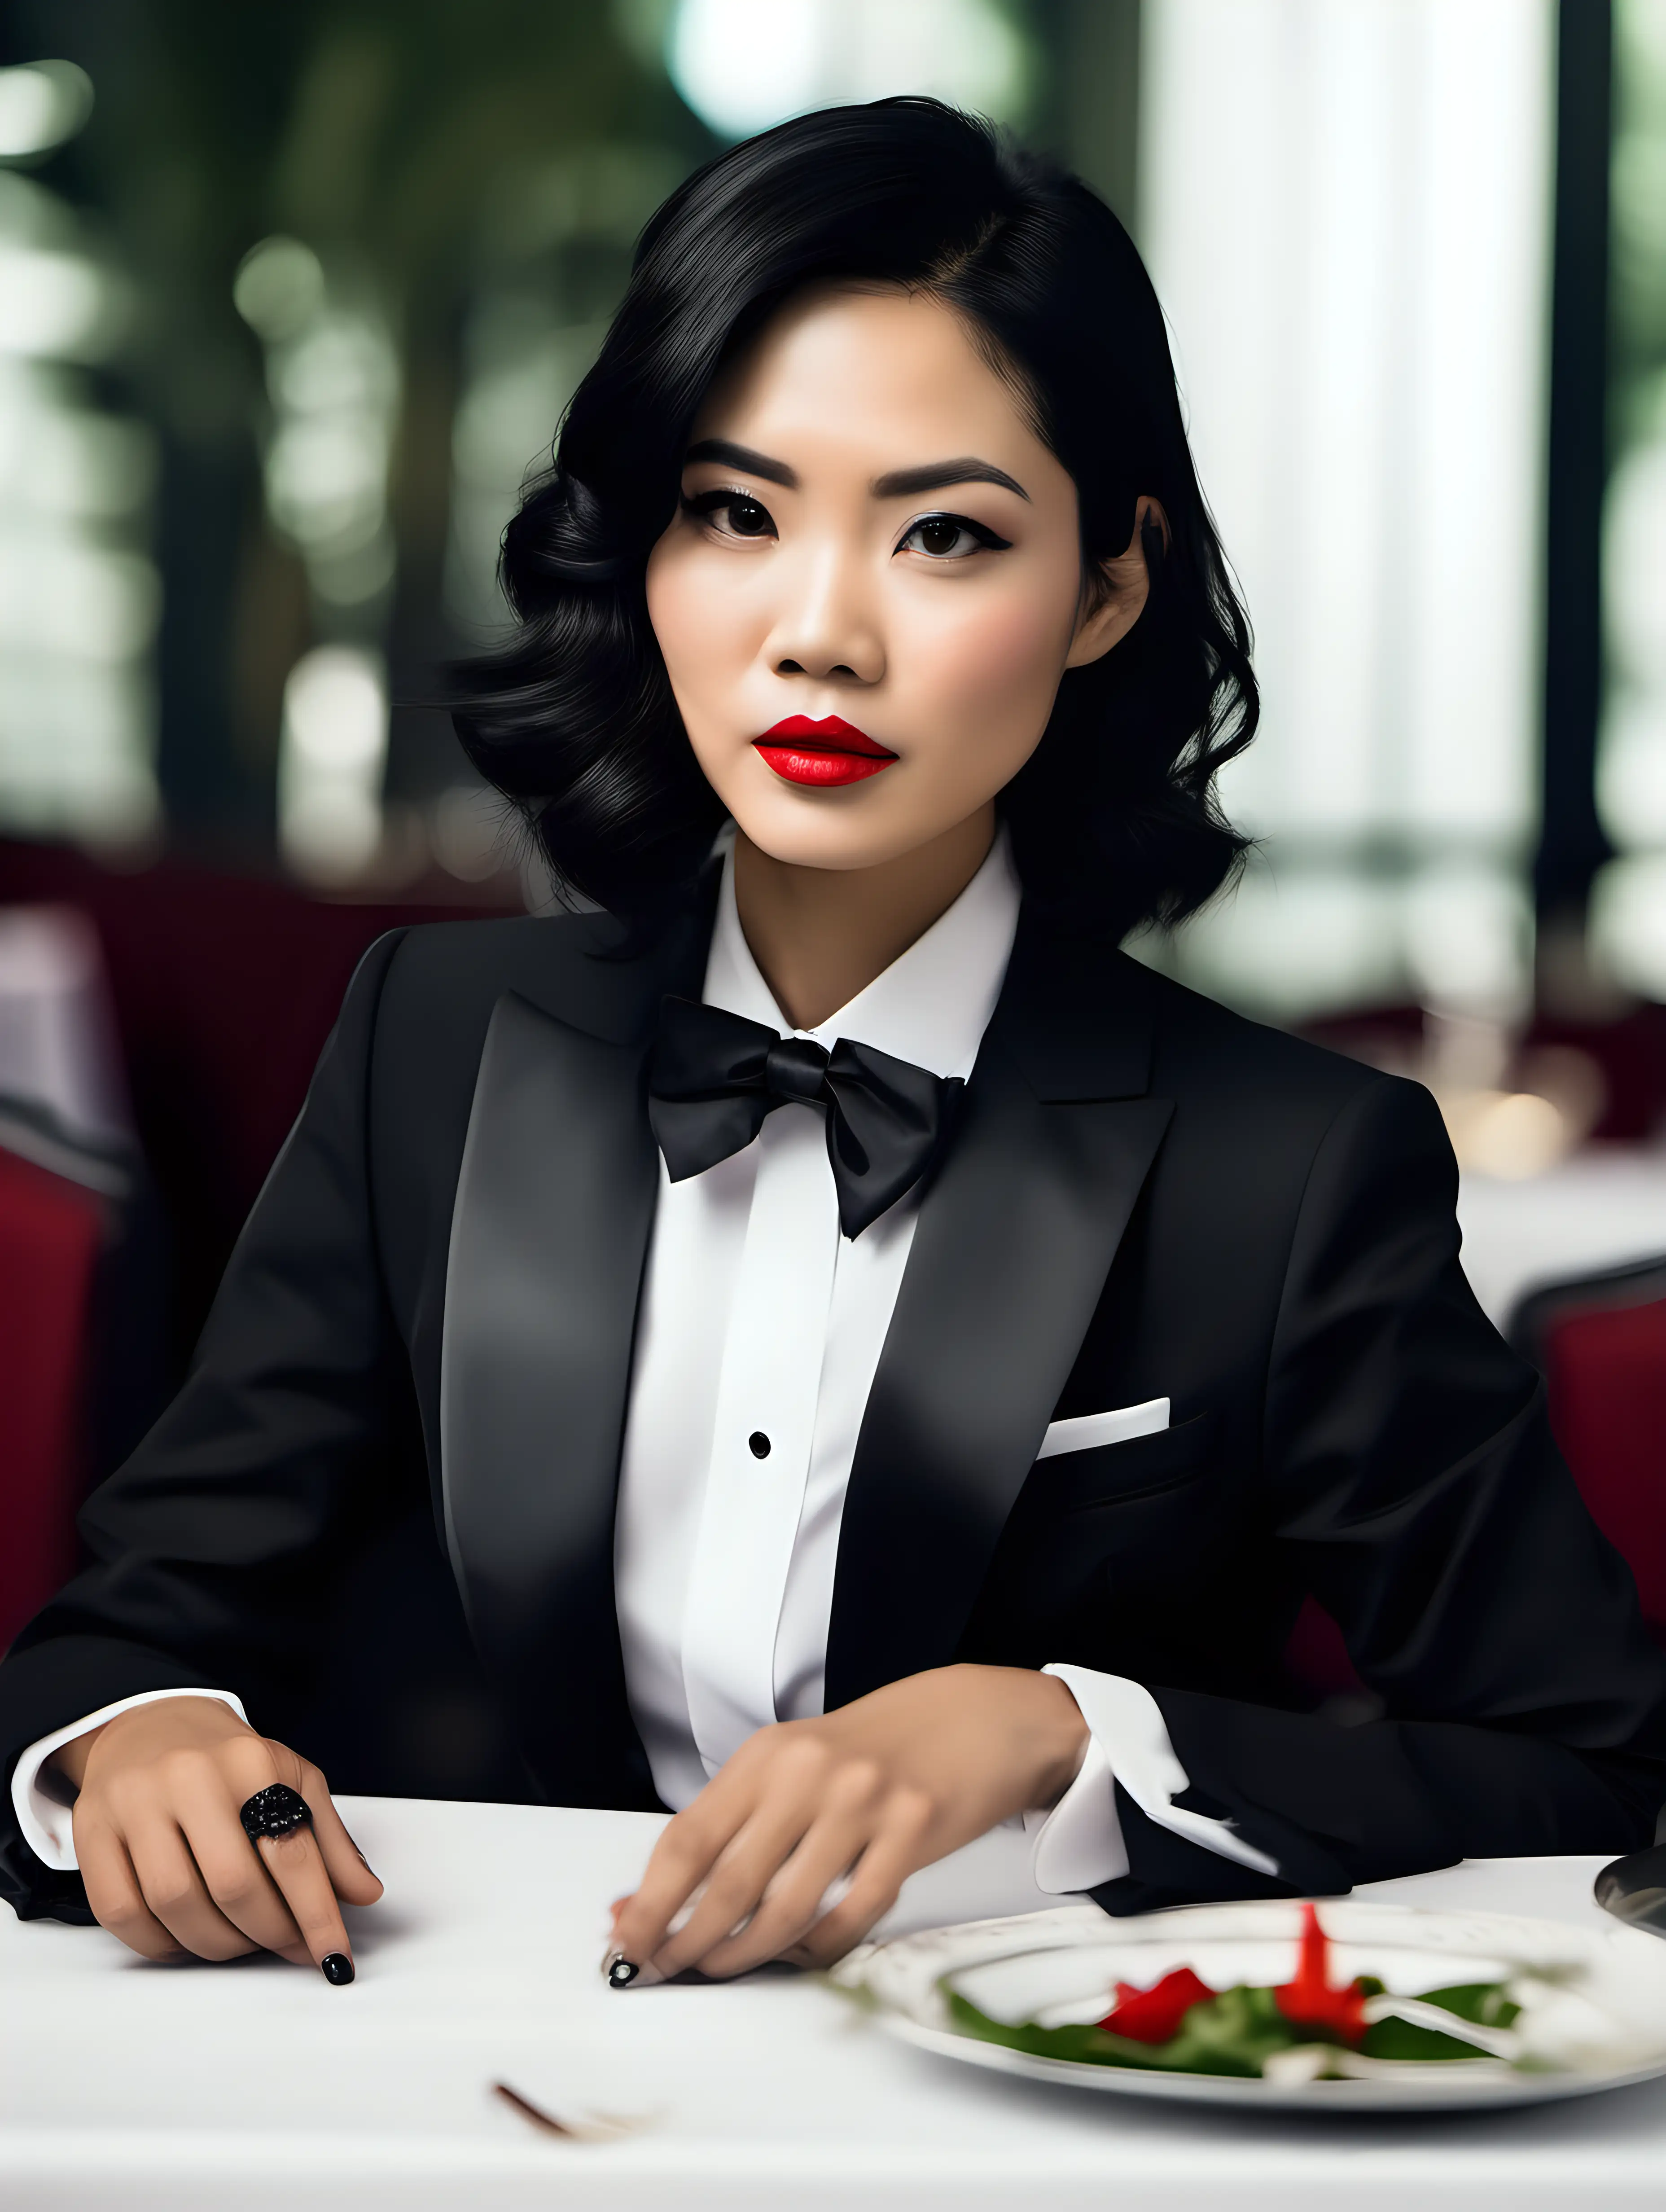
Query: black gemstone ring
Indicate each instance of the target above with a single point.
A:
(278, 1811)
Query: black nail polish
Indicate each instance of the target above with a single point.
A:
(622, 1974)
(337, 1969)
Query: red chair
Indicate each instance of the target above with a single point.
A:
(1601, 1344)
(51, 1231)
(223, 989)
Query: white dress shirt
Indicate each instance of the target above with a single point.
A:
(758, 1337)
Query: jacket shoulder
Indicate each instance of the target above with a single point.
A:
(444, 978)
(1200, 1044)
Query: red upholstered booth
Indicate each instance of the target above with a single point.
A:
(50, 1232)
(222, 990)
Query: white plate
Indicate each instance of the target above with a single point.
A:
(1594, 1999)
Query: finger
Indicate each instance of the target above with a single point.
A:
(296, 1865)
(239, 1884)
(113, 1893)
(860, 1898)
(793, 1900)
(682, 1859)
(764, 1873)
(350, 1873)
(846, 1808)
(172, 1887)
(874, 1888)
(782, 1768)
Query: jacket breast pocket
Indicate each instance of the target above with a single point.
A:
(1106, 1551)
(1119, 1473)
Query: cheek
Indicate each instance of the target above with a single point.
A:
(701, 633)
(997, 662)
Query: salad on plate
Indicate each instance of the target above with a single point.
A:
(1309, 2028)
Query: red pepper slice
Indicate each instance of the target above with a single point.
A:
(1154, 2015)
(1310, 2001)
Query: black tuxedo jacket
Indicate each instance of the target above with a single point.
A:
(1145, 1196)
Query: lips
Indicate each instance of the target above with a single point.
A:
(822, 754)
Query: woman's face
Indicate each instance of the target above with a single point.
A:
(873, 582)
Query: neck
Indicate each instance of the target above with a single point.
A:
(820, 935)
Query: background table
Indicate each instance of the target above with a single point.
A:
(258, 2085)
(1602, 1208)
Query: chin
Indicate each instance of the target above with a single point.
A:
(856, 827)
(825, 843)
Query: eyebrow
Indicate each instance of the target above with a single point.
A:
(902, 484)
(896, 483)
(741, 457)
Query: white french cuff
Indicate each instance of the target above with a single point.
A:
(48, 1825)
(1078, 1844)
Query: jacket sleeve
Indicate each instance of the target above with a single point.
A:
(1410, 1475)
(214, 1548)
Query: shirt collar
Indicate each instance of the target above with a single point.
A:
(930, 1006)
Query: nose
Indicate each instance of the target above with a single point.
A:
(826, 628)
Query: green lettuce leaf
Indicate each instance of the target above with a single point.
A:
(1485, 2003)
(1232, 2034)
(1236, 2032)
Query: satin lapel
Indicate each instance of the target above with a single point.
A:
(1015, 1239)
(554, 1202)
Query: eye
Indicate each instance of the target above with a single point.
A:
(742, 516)
(951, 537)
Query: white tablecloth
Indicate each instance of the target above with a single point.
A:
(258, 2085)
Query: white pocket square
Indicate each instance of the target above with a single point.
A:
(1115, 1427)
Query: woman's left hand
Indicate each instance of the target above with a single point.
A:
(873, 1791)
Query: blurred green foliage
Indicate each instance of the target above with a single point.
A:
(1638, 316)
(459, 165)
(421, 145)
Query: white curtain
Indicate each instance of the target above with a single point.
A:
(1346, 208)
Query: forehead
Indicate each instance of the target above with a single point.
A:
(886, 374)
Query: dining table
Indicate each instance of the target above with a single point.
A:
(257, 2084)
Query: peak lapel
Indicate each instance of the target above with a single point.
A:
(554, 1202)
(1015, 1238)
(549, 1234)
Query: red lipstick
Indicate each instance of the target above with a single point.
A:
(822, 754)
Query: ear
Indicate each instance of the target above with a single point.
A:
(1113, 595)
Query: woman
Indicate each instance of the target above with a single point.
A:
(883, 1363)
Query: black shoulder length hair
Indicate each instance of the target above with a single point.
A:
(1114, 819)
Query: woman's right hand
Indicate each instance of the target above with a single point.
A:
(167, 1866)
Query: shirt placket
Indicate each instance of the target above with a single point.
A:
(762, 1438)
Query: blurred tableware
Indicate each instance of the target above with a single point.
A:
(1633, 1889)
(589, 2127)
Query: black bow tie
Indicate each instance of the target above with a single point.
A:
(714, 1075)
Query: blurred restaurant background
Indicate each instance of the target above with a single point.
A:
(292, 296)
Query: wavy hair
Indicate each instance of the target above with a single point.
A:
(1114, 818)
